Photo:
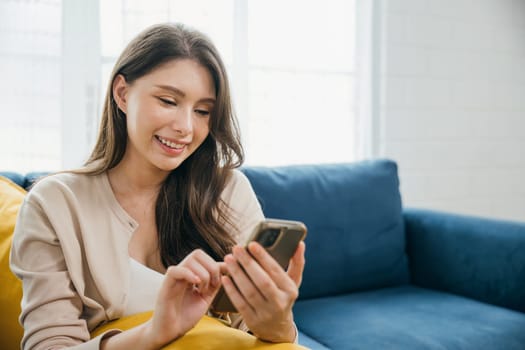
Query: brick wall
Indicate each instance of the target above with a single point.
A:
(453, 103)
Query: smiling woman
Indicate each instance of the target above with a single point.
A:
(155, 216)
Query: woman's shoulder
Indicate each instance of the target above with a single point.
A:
(63, 184)
(237, 181)
(243, 205)
(63, 179)
(238, 188)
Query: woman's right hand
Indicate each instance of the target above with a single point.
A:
(184, 297)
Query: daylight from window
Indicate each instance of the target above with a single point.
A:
(293, 85)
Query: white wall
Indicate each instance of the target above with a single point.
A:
(452, 110)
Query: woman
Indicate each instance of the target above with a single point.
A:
(145, 223)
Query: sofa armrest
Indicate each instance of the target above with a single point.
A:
(478, 258)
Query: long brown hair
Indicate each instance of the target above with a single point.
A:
(189, 212)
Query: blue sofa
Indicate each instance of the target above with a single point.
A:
(379, 276)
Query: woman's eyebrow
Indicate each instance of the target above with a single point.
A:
(181, 93)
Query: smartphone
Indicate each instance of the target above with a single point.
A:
(280, 238)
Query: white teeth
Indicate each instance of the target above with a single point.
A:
(170, 144)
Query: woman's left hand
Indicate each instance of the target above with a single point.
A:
(263, 292)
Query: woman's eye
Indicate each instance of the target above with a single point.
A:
(203, 112)
(168, 102)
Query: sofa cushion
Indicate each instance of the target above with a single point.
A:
(14, 177)
(353, 214)
(24, 181)
(11, 197)
(409, 318)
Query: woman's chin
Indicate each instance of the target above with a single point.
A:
(168, 166)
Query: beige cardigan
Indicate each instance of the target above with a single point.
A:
(70, 249)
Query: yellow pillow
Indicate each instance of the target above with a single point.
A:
(11, 197)
(208, 334)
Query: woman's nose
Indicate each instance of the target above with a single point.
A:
(183, 121)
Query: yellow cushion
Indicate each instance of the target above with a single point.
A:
(208, 334)
(11, 197)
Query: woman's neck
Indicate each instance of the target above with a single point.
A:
(125, 179)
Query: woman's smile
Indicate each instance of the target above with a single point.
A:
(171, 147)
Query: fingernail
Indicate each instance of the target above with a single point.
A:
(254, 247)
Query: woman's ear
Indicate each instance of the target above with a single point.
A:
(120, 90)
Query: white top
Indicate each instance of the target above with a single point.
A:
(144, 284)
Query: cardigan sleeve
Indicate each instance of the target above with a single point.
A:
(51, 307)
(245, 208)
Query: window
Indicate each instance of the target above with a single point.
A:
(30, 67)
(291, 65)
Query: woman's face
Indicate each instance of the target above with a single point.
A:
(167, 113)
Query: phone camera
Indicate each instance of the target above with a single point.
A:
(268, 237)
